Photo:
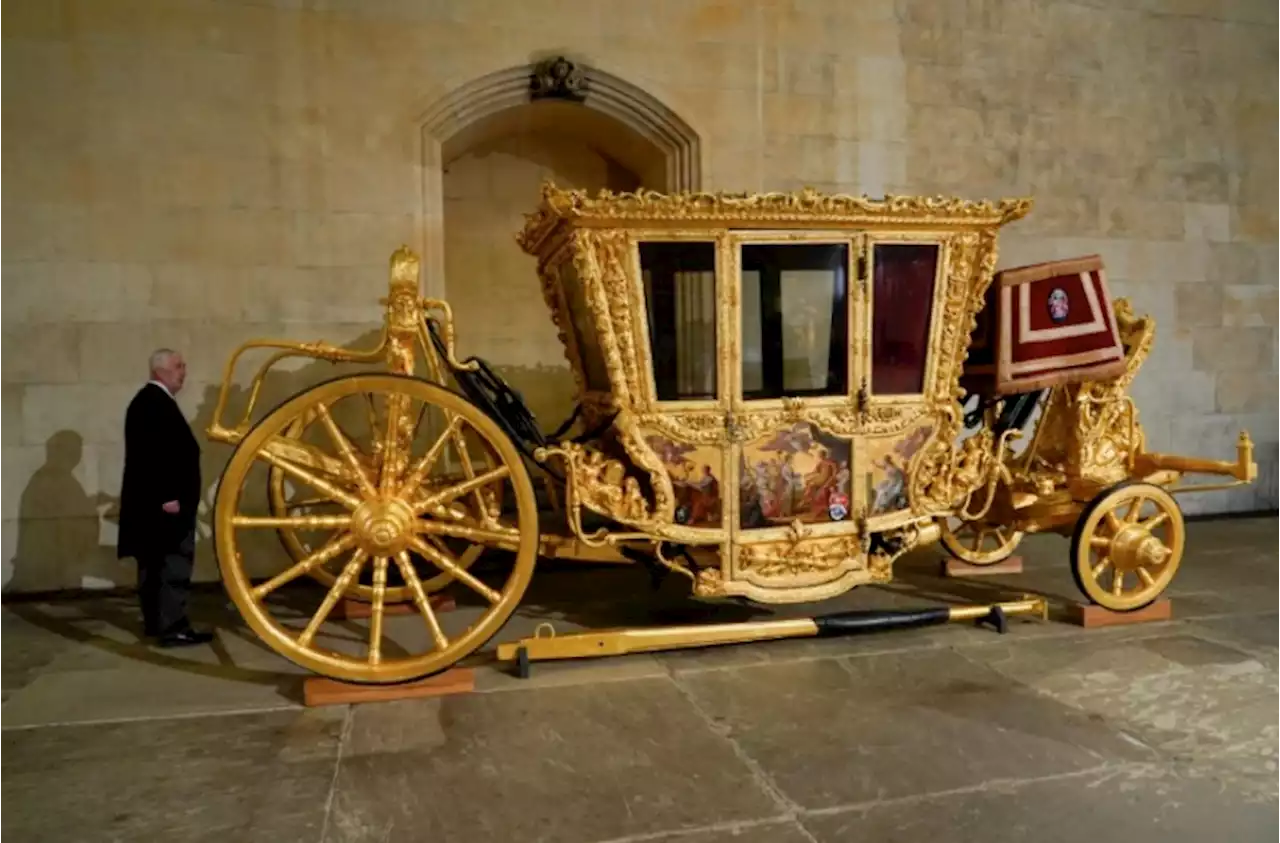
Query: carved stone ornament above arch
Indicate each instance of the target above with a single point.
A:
(610, 103)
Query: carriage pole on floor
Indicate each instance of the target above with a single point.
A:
(617, 642)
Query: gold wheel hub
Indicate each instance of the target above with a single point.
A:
(1135, 547)
(382, 527)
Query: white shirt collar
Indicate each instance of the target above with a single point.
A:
(162, 386)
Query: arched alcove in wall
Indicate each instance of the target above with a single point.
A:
(487, 147)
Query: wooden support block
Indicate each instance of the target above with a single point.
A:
(1091, 616)
(356, 609)
(956, 568)
(318, 690)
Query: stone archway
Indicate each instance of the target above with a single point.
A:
(479, 105)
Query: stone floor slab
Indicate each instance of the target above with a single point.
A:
(1134, 803)
(258, 777)
(1193, 700)
(144, 690)
(558, 764)
(785, 831)
(830, 733)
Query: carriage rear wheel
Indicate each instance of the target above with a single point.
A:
(977, 542)
(299, 544)
(1127, 546)
(385, 512)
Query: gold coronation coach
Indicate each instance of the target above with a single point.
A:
(778, 396)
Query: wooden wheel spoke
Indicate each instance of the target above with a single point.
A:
(1155, 521)
(1100, 543)
(421, 600)
(477, 535)
(304, 566)
(304, 455)
(373, 418)
(345, 448)
(456, 491)
(339, 587)
(1113, 522)
(468, 468)
(1001, 537)
(1103, 564)
(1135, 509)
(309, 502)
(294, 522)
(1146, 577)
(445, 562)
(376, 609)
(982, 538)
(314, 480)
(423, 466)
(1117, 582)
(391, 443)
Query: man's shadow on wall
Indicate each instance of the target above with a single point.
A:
(59, 526)
(70, 542)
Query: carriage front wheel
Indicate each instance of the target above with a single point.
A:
(406, 505)
(977, 542)
(1127, 546)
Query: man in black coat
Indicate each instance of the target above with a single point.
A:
(158, 501)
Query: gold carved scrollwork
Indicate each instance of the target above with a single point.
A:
(1090, 430)
(616, 318)
(789, 559)
(548, 274)
(603, 485)
(695, 427)
(941, 474)
(800, 554)
(806, 206)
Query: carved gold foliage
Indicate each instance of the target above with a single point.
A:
(604, 486)
(792, 558)
(695, 427)
(841, 421)
(941, 475)
(613, 259)
(601, 484)
(709, 583)
(1090, 430)
(744, 208)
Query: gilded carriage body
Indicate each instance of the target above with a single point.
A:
(776, 401)
(774, 367)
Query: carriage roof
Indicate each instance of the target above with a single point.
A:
(561, 209)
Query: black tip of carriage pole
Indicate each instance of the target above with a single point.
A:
(853, 623)
(997, 618)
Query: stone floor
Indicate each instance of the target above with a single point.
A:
(1161, 732)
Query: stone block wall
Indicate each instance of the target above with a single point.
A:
(193, 173)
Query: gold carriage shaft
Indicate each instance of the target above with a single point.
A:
(769, 405)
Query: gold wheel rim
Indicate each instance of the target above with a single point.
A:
(968, 541)
(1128, 552)
(297, 550)
(372, 538)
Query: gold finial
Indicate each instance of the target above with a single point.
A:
(404, 268)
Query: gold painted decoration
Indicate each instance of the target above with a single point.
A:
(805, 208)
(779, 495)
(796, 474)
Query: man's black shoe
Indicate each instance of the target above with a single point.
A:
(186, 638)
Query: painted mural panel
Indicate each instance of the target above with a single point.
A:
(797, 473)
(889, 459)
(695, 477)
